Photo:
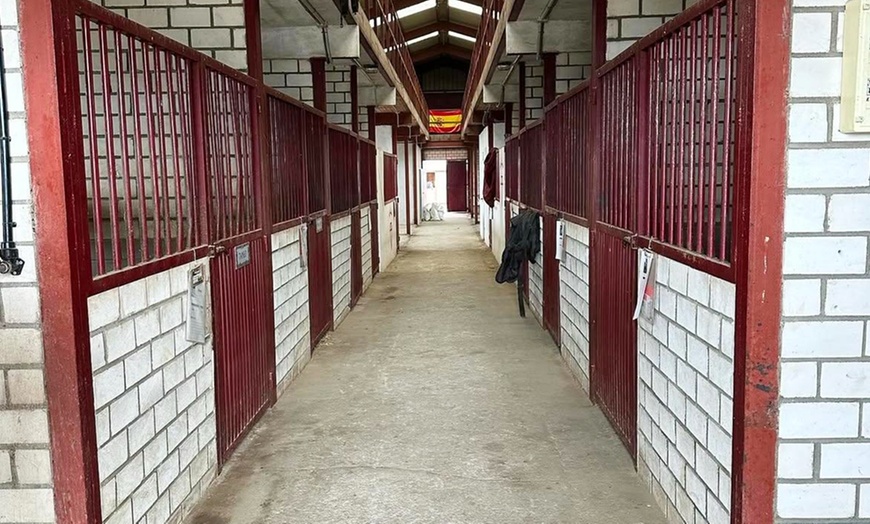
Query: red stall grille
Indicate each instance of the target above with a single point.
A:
(391, 177)
(368, 171)
(287, 157)
(139, 150)
(531, 165)
(692, 120)
(315, 159)
(344, 185)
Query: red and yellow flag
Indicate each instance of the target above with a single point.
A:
(445, 120)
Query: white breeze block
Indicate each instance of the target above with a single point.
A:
(536, 281)
(685, 396)
(340, 231)
(292, 323)
(366, 243)
(154, 401)
(574, 308)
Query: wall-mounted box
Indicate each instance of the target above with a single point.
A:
(855, 103)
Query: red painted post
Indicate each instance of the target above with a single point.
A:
(416, 175)
(549, 78)
(522, 74)
(318, 78)
(758, 225)
(51, 79)
(354, 100)
(407, 190)
(508, 119)
(372, 127)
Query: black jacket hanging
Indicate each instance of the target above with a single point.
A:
(523, 243)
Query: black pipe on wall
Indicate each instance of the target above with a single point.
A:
(10, 261)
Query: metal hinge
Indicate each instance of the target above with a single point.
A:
(214, 250)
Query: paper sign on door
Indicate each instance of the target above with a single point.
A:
(646, 284)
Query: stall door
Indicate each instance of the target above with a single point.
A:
(614, 349)
(319, 279)
(551, 279)
(457, 185)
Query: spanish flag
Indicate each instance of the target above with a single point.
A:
(445, 120)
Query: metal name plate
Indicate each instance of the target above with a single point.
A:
(243, 255)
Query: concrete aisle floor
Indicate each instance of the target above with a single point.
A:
(433, 402)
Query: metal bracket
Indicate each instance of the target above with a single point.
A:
(10, 262)
(630, 241)
(214, 250)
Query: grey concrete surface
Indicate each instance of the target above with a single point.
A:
(433, 402)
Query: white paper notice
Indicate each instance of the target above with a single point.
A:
(303, 246)
(646, 281)
(560, 239)
(196, 328)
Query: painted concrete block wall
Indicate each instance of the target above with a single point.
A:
(154, 400)
(366, 245)
(292, 77)
(25, 467)
(630, 20)
(536, 280)
(534, 91)
(686, 392)
(338, 96)
(292, 322)
(571, 69)
(498, 218)
(824, 420)
(574, 303)
(215, 27)
(340, 231)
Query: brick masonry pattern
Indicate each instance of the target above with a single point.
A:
(25, 466)
(686, 392)
(340, 231)
(824, 456)
(292, 77)
(292, 323)
(366, 243)
(630, 20)
(154, 400)
(338, 97)
(536, 279)
(574, 308)
(215, 27)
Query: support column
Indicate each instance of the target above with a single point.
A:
(373, 134)
(318, 78)
(416, 174)
(549, 78)
(354, 100)
(523, 94)
(508, 119)
(407, 190)
(51, 90)
(764, 36)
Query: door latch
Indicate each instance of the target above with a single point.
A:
(214, 250)
(630, 241)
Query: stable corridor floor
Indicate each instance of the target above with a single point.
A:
(433, 402)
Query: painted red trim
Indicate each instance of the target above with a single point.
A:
(120, 278)
(51, 80)
(289, 224)
(318, 78)
(549, 77)
(765, 27)
(407, 190)
(416, 176)
(508, 118)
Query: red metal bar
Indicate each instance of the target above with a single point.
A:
(125, 148)
(110, 148)
(95, 151)
(163, 204)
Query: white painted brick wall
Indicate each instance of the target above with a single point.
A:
(25, 468)
(292, 77)
(366, 234)
(630, 20)
(822, 467)
(574, 308)
(338, 97)
(534, 91)
(215, 27)
(685, 394)
(536, 281)
(292, 322)
(340, 231)
(571, 69)
(154, 400)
